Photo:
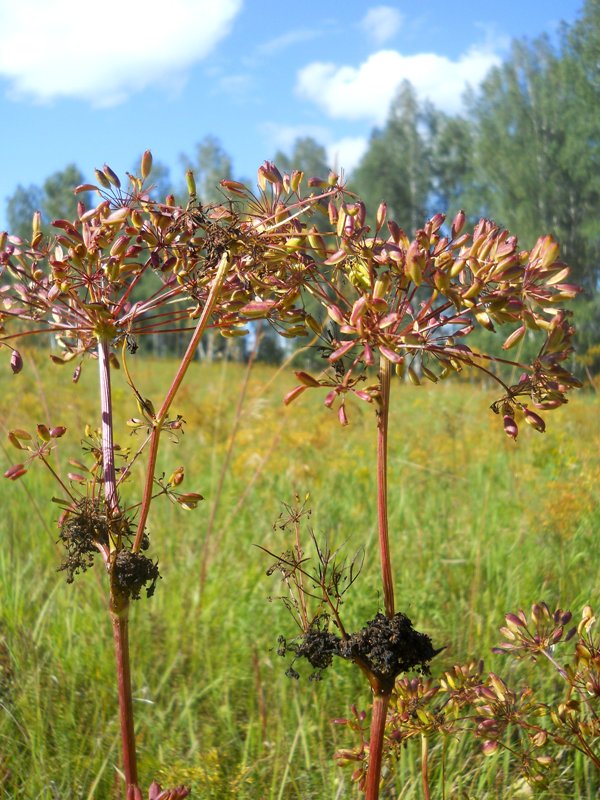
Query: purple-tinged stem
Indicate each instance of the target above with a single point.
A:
(108, 447)
(382, 501)
(119, 603)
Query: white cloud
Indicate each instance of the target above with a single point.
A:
(347, 152)
(106, 51)
(286, 40)
(365, 92)
(381, 23)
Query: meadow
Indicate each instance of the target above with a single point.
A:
(480, 525)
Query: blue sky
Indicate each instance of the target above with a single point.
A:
(101, 82)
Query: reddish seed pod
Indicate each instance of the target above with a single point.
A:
(533, 419)
(16, 362)
(15, 472)
(510, 426)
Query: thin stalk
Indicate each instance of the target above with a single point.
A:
(425, 766)
(382, 502)
(381, 694)
(378, 719)
(170, 396)
(119, 603)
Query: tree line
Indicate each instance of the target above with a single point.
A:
(524, 152)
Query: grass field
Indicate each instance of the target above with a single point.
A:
(480, 525)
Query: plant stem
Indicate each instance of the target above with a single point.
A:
(425, 766)
(381, 694)
(119, 603)
(382, 503)
(108, 447)
(381, 701)
(120, 624)
(170, 396)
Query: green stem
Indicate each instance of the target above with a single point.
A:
(382, 501)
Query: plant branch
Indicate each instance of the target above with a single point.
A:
(170, 396)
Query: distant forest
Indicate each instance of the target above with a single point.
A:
(525, 152)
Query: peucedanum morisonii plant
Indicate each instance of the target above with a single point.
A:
(395, 304)
(129, 268)
(388, 304)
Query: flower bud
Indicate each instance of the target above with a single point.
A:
(533, 419)
(111, 176)
(458, 223)
(489, 747)
(306, 379)
(295, 180)
(102, 179)
(296, 392)
(176, 477)
(15, 472)
(514, 338)
(43, 433)
(415, 263)
(190, 182)
(510, 426)
(16, 362)
(146, 165)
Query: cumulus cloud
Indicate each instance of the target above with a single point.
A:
(365, 92)
(381, 23)
(103, 53)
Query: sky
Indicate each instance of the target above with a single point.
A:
(103, 85)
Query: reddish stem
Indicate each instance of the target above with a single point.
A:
(120, 623)
(381, 701)
(170, 396)
(381, 694)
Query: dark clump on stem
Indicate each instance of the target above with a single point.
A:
(384, 647)
(133, 572)
(82, 531)
(389, 646)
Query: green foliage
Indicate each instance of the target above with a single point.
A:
(506, 523)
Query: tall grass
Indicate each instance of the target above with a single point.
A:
(479, 525)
